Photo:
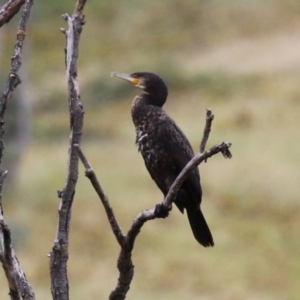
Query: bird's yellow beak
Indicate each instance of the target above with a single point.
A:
(128, 77)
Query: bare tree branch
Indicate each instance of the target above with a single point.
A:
(125, 265)
(206, 132)
(8, 10)
(59, 254)
(197, 160)
(79, 8)
(13, 79)
(148, 215)
(18, 284)
(90, 174)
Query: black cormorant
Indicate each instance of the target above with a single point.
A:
(165, 149)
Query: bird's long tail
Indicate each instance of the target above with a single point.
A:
(199, 227)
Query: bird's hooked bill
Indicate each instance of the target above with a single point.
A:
(127, 77)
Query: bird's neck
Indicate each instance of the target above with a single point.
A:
(155, 99)
(146, 100)
(140, 107)
(158, 99)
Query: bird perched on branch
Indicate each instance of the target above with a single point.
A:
(165, 149)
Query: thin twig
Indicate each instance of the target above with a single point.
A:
(79, 8)
(207, 128)
(90, 174)
(198, 159)
(59, 254)
(18, 284)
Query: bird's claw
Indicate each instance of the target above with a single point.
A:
(161, 211)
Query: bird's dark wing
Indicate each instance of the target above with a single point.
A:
(179, 152)
(175, 143)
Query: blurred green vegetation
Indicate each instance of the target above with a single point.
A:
(241, 59)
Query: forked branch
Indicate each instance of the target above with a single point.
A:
(125, 265)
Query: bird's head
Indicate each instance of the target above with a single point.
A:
(151, 83)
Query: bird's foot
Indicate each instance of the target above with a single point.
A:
(161, 211)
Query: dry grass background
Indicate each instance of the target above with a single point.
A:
(248, 74)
